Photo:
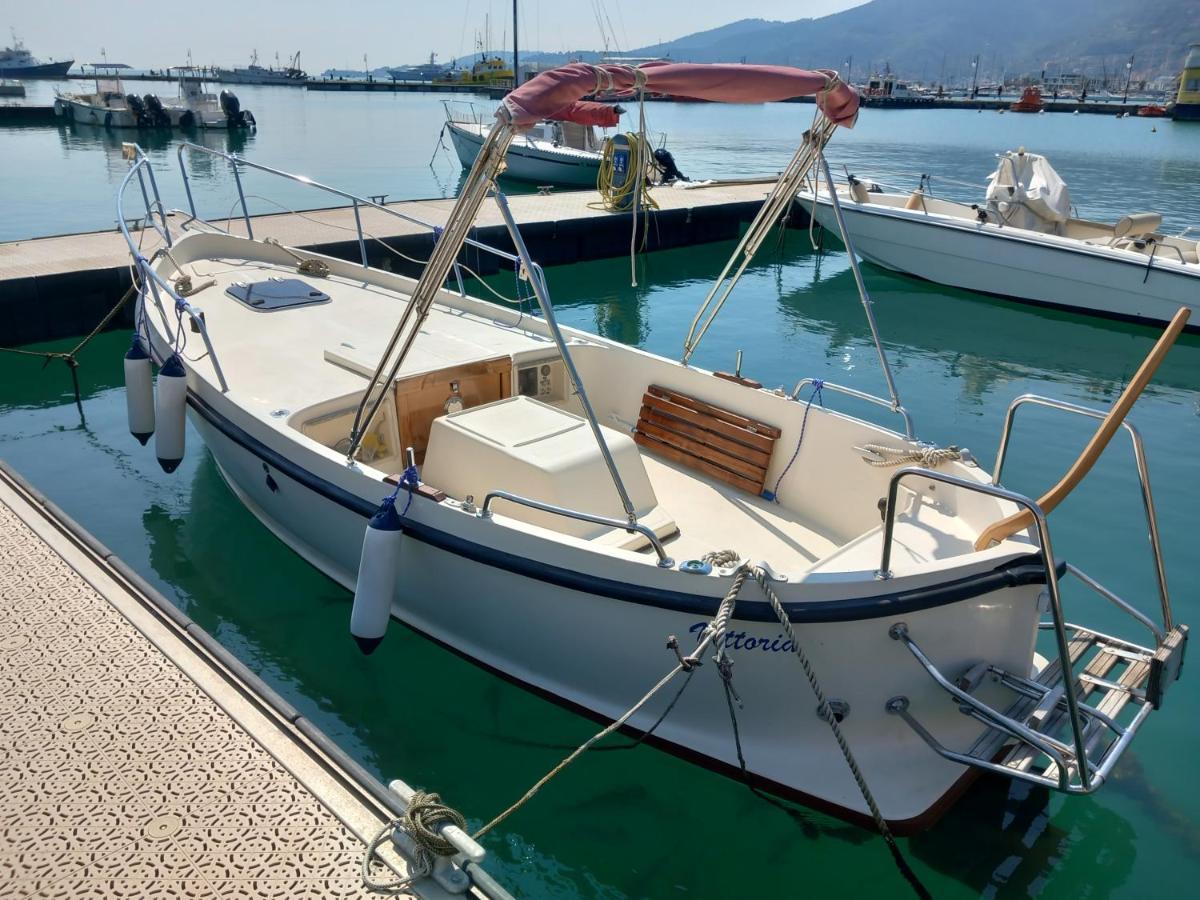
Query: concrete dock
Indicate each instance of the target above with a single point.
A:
(138, 758)
(61, 286)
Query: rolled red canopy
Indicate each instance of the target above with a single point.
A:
(604, 115)
(557, 89)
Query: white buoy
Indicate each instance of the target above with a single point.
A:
(169, 413)
(139, 391)
(378, 571)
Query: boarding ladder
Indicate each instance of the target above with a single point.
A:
(1067, 726)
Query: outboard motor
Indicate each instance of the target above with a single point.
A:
(232, 107)
(666, 164)
(137, 109)
(154, 109)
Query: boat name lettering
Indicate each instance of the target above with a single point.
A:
(739, 640)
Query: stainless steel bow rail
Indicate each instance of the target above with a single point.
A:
(151, 285)
(357, 203)
(1063, 728)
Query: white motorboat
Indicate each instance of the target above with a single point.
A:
(548, 152)
(17, 62)
(558, 504)
(1022, 241)
(109, 106)
(11, 88)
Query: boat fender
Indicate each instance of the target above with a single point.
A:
(139, 391)
(169, 413)
(378, 571)
(107, 119)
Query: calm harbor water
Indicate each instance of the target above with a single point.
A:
(58, 180)
(635, 822)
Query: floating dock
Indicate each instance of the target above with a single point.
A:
(139, 758)
(61, 286)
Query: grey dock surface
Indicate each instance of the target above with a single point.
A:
(135, 761)
(61, 286)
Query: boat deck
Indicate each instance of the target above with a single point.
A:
(132, 761)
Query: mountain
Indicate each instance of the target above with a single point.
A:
(924, 38)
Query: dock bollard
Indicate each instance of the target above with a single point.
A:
(446, 869)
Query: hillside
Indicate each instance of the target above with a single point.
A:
(918, 37)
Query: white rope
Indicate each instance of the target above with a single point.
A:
(930, 457)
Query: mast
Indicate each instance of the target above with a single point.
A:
(516, 53)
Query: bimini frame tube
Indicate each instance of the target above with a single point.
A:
(543, 299)
(868, 306)
(488, 164)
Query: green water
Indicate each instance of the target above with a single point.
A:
(636, 822)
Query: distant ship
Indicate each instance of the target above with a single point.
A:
(292, 74)
(17, 62)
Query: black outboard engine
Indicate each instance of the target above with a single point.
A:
(666, 164)
(235, 116)
(154, 109)
(137, 109)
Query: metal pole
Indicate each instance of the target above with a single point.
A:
(858, 280)
(162, 216)
(187, 185)
(362, 245)
(233, 161)
(516, 53)
(543, 299)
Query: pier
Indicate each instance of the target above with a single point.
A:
(139, 757)
(61, 286)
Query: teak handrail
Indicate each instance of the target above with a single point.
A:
(1019, 521)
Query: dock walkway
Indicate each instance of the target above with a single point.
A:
(60, 286)
(134, 762)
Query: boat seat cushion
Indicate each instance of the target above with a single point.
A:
(717, 442)
(1137, 225)
(543, 453)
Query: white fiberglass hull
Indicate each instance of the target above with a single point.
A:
(539, 162)
(1022, 265)
(121, 117)
(587, 629)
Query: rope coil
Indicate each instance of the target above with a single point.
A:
(421, 820)
(884, 457)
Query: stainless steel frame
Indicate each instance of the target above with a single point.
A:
(909, 430)
(1139, 458)
(664, 561)
(150, 283)
(1087, 723)
(537, 280)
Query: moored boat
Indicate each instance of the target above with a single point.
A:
(1030, 102)
(109, 106)
(17, 62)
(558, 504)
(1023, 241)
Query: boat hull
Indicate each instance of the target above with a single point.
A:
(41, 70)
(527, 162)
(1016, 265)
(594, 640)
(120, 117)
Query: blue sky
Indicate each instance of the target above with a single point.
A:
(155, 33)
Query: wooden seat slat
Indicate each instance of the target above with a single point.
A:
(722, 444)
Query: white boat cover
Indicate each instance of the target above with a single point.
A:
(1028, 193)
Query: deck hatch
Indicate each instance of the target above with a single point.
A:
(276, 293)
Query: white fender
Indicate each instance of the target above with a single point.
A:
(139, 391)
(169, 413)
(378, 571)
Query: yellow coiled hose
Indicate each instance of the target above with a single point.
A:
(616, 198)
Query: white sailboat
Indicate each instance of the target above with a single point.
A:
(559, 504)
(1023, 241)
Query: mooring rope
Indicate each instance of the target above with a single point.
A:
(930, 457)
(826, 713)
(425, 812)
(69, 357)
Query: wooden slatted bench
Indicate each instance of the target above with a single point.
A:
(721, 444)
